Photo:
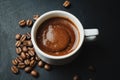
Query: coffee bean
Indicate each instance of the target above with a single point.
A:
(34, 73)
(91, 68)
(24, 49)
(40, 63)
(14, 62)
(37, 58)
(47, 67)
(14, 69)
(27, 62)
(28, 35)
(25, 43)
(19, 59)
(22, 23)
(32, 58)
(18, 50)
(23, 37)
(23, 55)
(31, 53)
(29, 43)
(28, 69)
(66, 3)
(31, 49)
(18, 43)
(18, 36)
(27, 55)
(21, 65)
(32, 63)
(35, 17)
(29, 22)
(76, 77)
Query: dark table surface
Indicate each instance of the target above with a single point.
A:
(103, 53)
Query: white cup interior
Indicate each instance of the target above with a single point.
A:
(57, 13)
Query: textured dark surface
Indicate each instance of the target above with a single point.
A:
(103, 53)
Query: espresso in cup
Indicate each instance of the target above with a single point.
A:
(57, 36)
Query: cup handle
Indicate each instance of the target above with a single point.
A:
(90, 34)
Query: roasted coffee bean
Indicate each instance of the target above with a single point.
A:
(21, 65)
(19, 59)
(35, 17)
(31, 49)
(22, 23)
(14, 69)
(37, 58)
(18, 43)
(47, 67)
(40, 63)
(23, 55)
(18, 36)
(29, 43)
(27, 55)
(29, 23)
(27, 62)
(23, 37)
(25, 43)
(34, 73)
(14, 62)
(28, 69)
(32, 63)
(24, 49)
(66, 3)
(18, 50)
(31, 53)
(91, 68)
(28, 35)
(32, 58)
(76, 77)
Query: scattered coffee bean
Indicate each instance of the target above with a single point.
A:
(19, 59)
(18, 36)
(18, 50)
(41, 64)
(47, 67)
(34, 73)
(27, 62)
(37, 58)
(28, 35)
(35, 17)
(29, 23)
(14, 62)
(29, 43)
(91, 68)
(14, 69)
(30, 49)
(23, 55)
(27, 55)
(21, 65)
(18, 43)
(28, 69)
(22, 23)
(32, 63)
(66, 3)
(23, 37)
(24, 49)
(31, 53)
(32, 58)
(76, 77)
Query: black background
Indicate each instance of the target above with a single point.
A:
(103, 53)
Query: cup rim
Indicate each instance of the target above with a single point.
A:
(80, 28)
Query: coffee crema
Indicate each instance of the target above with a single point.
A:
(57, 36)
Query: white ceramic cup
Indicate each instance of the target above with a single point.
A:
(89, 34)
